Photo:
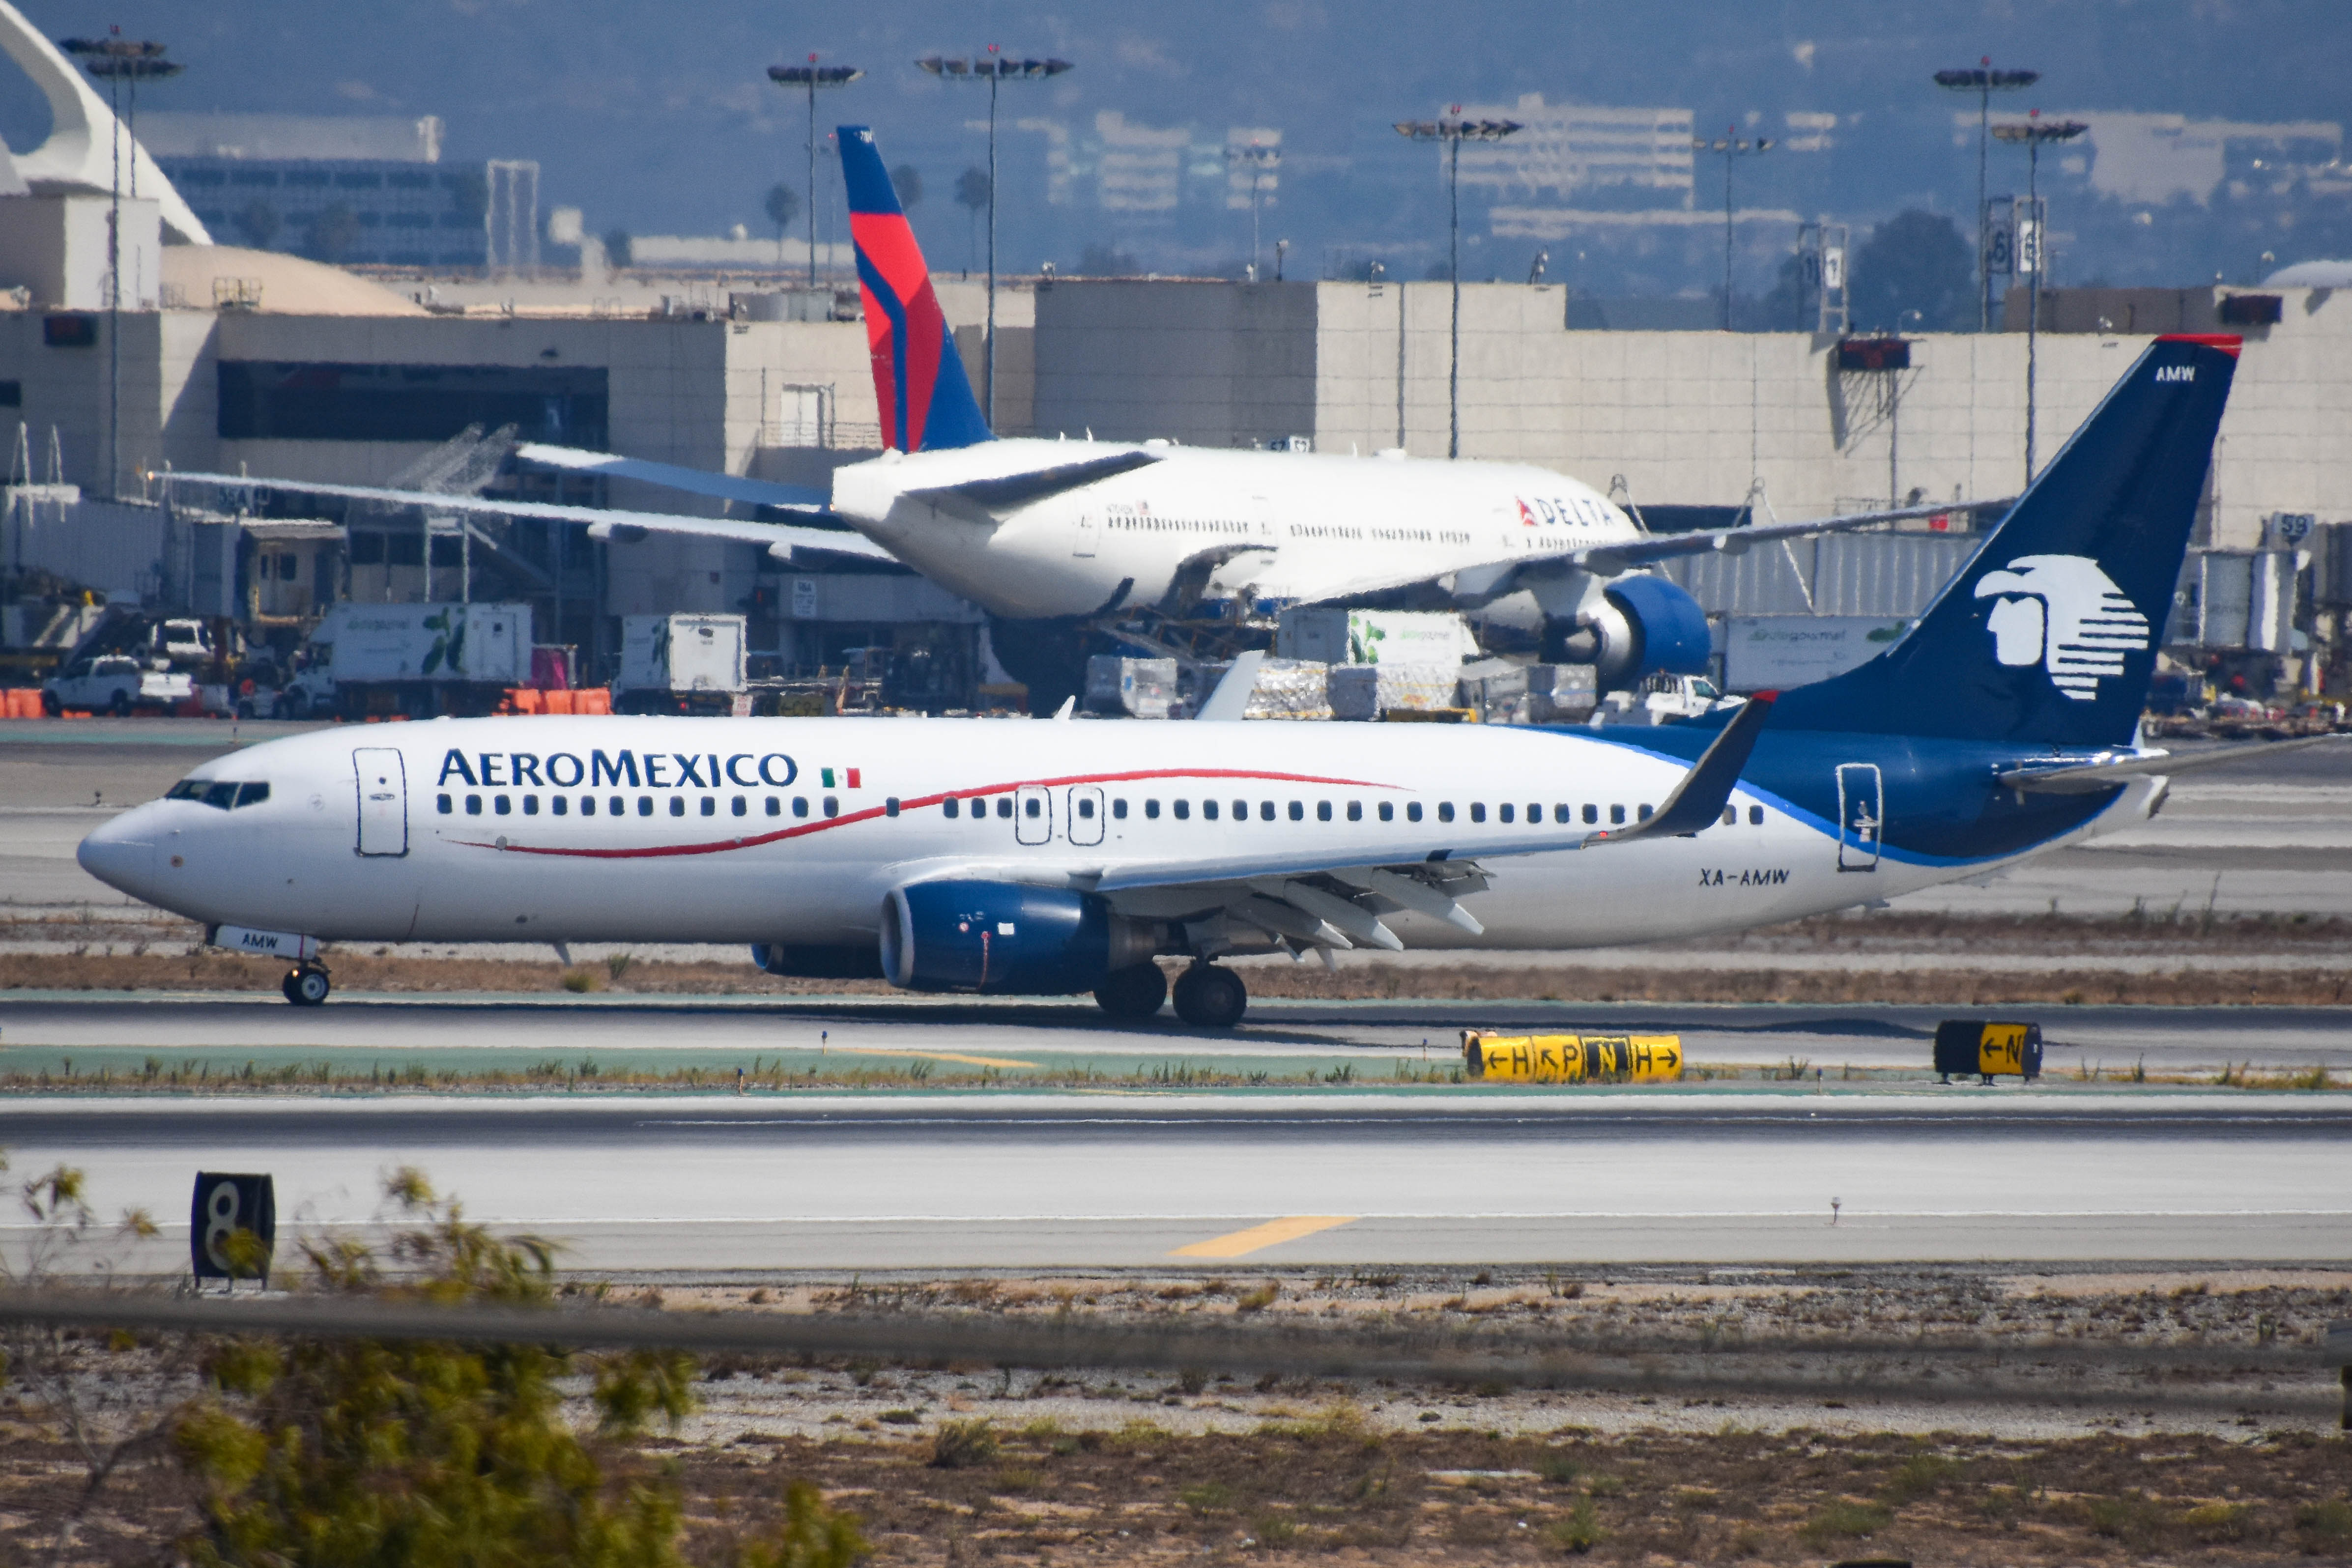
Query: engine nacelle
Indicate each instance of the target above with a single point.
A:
(1642, 626)
(1003, 937)
(855, 961)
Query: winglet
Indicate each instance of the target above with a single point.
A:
(1706, 789)
(1230, 700)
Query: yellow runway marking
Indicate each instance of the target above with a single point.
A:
(932, 1056)
(1259, 1238)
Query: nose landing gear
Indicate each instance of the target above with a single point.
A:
(1209, 998)
(306, 984)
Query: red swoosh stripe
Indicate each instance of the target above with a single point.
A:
(659, 852)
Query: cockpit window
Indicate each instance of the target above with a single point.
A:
(252, 794)
(221, 795)
(188, 789)
(224, 795)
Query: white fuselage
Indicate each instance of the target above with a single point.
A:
(794, 830)
(1279, 527)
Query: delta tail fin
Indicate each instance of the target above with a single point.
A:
(2049, 635)
(919, 388)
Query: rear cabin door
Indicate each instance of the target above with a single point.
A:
(384, 800)
(1861, 815)
(1033, 814)
(1082, 540)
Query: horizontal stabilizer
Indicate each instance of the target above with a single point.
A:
(672, 476)
(1002, 495)
(601, 522)
(2089, 778)
(1706, 789)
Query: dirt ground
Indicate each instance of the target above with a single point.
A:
(948, 1464)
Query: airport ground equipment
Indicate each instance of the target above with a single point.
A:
(114, 683)
(420, 660)
(681, 664)
(1573, 1058)
(1987, 1048)
(225, 1203)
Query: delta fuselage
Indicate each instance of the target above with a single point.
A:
(794, 830)
(1280, 528)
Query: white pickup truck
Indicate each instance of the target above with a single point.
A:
(115, 683)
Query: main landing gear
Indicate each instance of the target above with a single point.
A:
(1134, 993)
(1210, 998)
(306, 984)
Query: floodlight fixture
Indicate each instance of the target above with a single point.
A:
(1731, 147)
(2034, 133)
(1983, 80)
(1451, 131)
(994, 66)
(809, 77)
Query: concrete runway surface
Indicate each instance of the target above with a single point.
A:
(719, 1033)
(701, 1186)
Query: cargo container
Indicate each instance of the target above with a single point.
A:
(1328, 636)
(679, 663)
(417, 660)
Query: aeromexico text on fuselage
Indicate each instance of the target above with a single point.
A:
(635, 769)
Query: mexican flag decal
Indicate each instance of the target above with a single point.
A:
(840, 777)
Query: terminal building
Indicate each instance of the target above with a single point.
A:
(244, 358)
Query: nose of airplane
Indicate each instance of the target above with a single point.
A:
(122, 854)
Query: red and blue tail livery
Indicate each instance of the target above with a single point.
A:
(919, 388)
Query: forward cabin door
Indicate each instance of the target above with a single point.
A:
(1084, 821)
(1861, 815)
(1033, 814)
(384, 800)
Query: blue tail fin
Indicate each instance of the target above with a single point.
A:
(2049, 635)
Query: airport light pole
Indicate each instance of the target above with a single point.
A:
(810, 77)
(1730, 149)
(119, 62)
(1260, 161)
(2034, 133)
(1452, 133)
(1984, 81)
(995, 67)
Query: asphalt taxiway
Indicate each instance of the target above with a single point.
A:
(721, 1184)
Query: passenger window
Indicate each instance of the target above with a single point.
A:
(1755, 816)
(1413, 811)
(741, 806)
(1265, 811)
(1731, 816)
(1388, 810)
(1240, 810)
(831, 806)
(678, 805)
(1032, 808)
(501, 805)
(1085, 809)
(775, 807)
(1645, 813)
(1183, 809)
(1355, 810)
(1592, 812)
(441, 802)
(800, 805)
(530, 805)
(1297, 812)
(1616, 814)
(710, 805)
(558, 804)
(1445, 810)
(1005, 806)
(587, 805)
(1151, 809)
(1322, 810)
(891, 805)
(1559, 814)
(473, 805)
(951, 808)
(252, 794)
(616, 807)
(1208, 811)
(644, 805)
(1118, 808)
(1535, 812)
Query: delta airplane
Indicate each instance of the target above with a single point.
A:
(1040, 857)
(1048, 535)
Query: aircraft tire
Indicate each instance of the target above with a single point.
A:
(307, 987)
(120, 706)
(1133, 993)
(1210, 998)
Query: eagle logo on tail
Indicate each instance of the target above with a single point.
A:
(2063, 613)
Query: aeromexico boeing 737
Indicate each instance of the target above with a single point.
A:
(1036, 857)
(1048, 535)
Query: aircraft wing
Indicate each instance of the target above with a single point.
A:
(781, 538)
(671, 475)
(1299, 896)
(981, 499)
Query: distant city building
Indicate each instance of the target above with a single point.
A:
(356, 191)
